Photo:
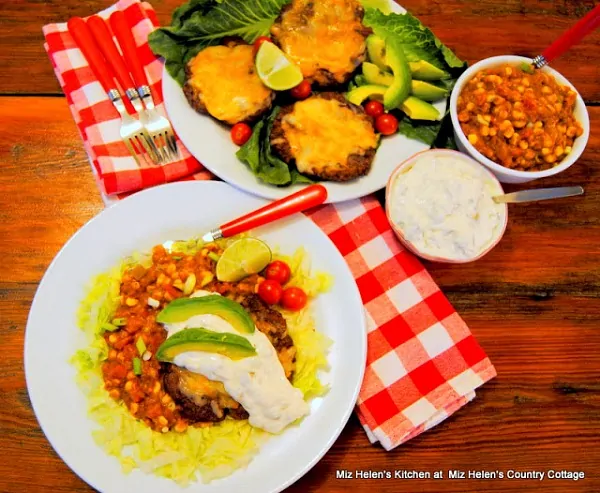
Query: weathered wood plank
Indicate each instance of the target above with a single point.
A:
(474, 30)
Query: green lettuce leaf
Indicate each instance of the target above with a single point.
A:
(258, 154)
(383, 5)
(201, 23)
(418, 42)
(423, 131)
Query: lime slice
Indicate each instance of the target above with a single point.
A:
(275, 69)
(243, 258)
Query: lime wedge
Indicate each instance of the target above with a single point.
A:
(275, 69)
(243, 258)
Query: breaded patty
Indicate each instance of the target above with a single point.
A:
(222, 81)
(204, 400)
(327, 137)
(326, 38)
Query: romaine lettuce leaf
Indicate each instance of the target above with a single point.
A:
(201, 23)
(258, 155)
(418, 42)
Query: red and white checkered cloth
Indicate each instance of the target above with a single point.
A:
(97, 119)
(423, 363)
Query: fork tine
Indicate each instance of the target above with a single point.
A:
(162, 142)
(150, 148)
(172, 142)
(131, 149)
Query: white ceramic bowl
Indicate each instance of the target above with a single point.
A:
(408, 244)
(506, 175)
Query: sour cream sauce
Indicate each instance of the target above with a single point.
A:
(443, 206)
(257, 382)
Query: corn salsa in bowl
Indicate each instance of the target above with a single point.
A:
(521, 123)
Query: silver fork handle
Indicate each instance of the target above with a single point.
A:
(117, 101)
(146, 97)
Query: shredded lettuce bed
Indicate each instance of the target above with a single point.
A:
(202, 454)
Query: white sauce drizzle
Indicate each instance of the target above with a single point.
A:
(257, 382)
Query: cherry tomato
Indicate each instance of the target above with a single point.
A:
(260, 41)
(278, 271)
(241, 133)
(302, 90)
(270, 291)
(386, 124)
(374, 109)
(293, 299)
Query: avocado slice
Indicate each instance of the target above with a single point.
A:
(400, 88)
(418, 109)
(426, 91)
(423, 70)
(360, 94)
(181, 309)
(374, 75)
(200, 339)
(376, 51)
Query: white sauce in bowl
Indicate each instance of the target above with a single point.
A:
(443, 206)
(257, 382)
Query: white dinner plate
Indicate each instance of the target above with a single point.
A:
(179, 211)
(210, 143)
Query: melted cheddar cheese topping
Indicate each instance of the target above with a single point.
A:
(227, 80)
(324, 133)
(322, 35)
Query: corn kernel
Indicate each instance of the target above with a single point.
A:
(525, 81)
(521, 89)
(568, 149)
(550, 158)
(519, 124)
(538, 124)
(508, 71)
(523, 145)
(131, 302)
(509, 132)
(504, 125)
(493, 132)
(559, 151)
(546, 90)
(472, 139)
(485, 131)
(545, 151)
(470, 106)
(482, 120)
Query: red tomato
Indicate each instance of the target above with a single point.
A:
(260, 41)
(241, 133)
(374, 109)
(270, 291)
(386, 124)
(278, 271)
(302, 90)
(293, 299)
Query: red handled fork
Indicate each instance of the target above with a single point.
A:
(570, 37)
(133, 133)
(158, 126)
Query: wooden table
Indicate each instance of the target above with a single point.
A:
(533, 303)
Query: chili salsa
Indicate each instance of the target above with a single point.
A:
(519, 118)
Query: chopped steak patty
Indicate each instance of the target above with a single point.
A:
(204, 400)
(222, 82)
(327, 137)
(326, 39)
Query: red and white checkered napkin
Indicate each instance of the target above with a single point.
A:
(423, 362)
(97, 119)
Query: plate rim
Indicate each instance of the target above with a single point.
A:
(27, 363)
